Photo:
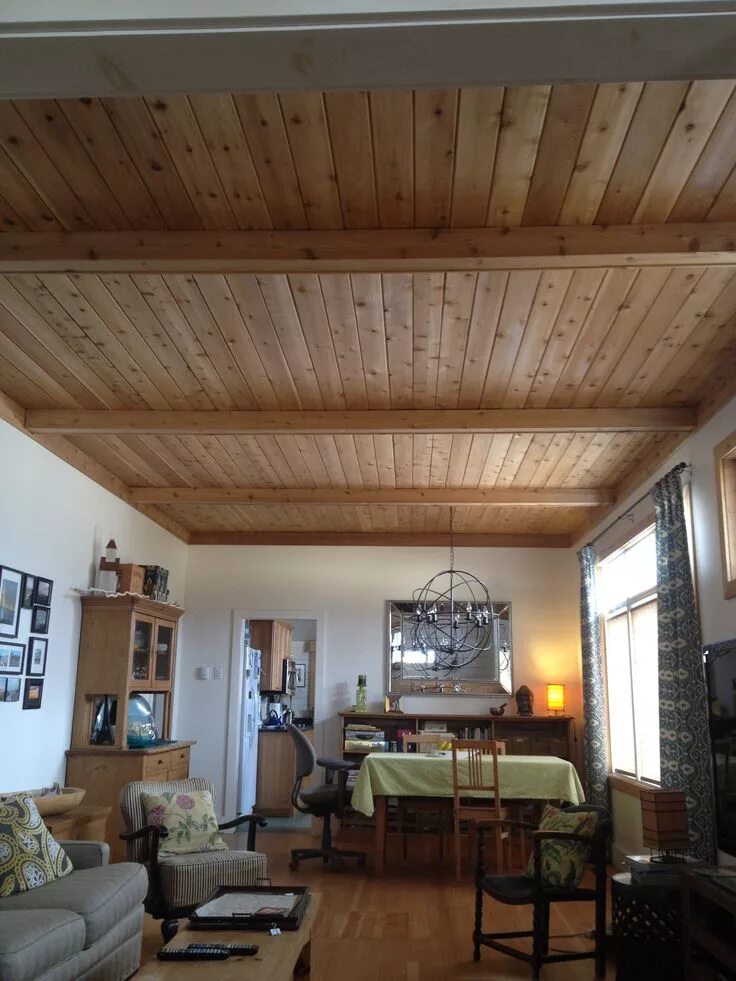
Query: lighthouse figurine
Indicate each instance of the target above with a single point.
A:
(109, 569)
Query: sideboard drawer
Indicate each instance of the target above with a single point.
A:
(180, 772)
(155, 767)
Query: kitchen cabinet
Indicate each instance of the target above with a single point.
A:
(276, 773)
(273, 639)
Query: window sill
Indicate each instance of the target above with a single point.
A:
(628, 785)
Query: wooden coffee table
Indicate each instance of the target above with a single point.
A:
(281, 958)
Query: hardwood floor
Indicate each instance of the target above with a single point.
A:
(414, 924)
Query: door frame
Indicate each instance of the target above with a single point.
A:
(235, 683)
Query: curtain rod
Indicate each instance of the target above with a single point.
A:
(677, 469)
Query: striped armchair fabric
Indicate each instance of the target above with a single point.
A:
(185, 881)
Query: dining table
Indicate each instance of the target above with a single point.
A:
(384, 775)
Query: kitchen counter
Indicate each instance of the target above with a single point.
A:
(283, 728)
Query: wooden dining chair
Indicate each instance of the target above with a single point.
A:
(476, 795)
(421, 742)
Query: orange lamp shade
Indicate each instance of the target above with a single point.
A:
(555, 698)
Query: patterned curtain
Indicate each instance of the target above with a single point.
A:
(686, 762)
(595, 727)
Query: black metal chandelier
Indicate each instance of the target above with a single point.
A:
(453, 617)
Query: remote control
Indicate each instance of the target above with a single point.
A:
(187, 954)
(239, 950)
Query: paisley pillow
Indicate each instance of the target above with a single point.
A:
(188, 818)
(564, 861)
(29, 856)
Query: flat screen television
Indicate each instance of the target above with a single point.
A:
(720, 671)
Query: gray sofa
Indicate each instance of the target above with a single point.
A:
(87, 925)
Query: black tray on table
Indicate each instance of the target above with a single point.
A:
(262, 919)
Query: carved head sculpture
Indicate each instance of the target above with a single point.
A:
(524, 701)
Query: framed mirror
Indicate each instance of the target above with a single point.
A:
(416, 668)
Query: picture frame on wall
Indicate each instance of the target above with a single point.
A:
(9, 689)
(42, 592)
(300, 672)
(29, 586)
(36, 663)
(40, 619)
(11, 594)
(11, 657)
(33, 693)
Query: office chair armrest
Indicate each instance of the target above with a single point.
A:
(254, 820)
(333, 763)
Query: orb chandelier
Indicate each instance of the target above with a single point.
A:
(453, 617)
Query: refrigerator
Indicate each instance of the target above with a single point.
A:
(251, 716)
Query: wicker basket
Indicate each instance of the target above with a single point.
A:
(69, 798)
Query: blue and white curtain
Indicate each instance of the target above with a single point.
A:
(595, 725)
(686, 762)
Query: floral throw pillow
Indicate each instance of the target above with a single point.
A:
(563, 861)
(29, 856)
(188, 819)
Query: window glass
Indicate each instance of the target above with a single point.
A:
(627, 597)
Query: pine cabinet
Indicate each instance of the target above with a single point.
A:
(273, 639)
(127, 644)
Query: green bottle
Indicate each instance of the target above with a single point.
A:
(361, 695)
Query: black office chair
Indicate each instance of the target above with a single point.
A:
(523, 890)
(322, 801)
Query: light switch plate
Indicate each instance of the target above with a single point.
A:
(203, 673)
(218, 673)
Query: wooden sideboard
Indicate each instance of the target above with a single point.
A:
(83, 823)
(104, 771)
(534, 735)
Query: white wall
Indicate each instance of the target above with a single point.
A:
(350, 587)
(54, 522)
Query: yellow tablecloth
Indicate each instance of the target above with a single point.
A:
(418, 775)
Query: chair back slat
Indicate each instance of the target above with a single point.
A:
(475, 766)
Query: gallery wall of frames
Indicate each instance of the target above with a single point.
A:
(25, 615)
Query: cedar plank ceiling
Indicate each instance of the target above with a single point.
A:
(542, 338)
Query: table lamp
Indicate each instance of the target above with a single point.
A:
(664, 824)
(555, 699)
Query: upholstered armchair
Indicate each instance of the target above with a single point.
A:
(178, 883)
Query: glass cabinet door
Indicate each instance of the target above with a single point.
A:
(142, 649)
(164, 653)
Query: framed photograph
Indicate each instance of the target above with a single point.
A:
(42, 592)
(11, 594)
(33, 693)
(300, 671)
(36, 664)
(9, 689)
(29, 586)
(11, 658)
(40, 619)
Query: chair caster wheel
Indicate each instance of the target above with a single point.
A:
(293, 865)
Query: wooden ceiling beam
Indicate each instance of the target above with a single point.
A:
(370, 250)
(394, 539)
(84, 422)
(434, 496)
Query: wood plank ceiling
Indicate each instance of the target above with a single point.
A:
(624, 337)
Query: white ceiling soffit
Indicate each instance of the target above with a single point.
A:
(135, 47)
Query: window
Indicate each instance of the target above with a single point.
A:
(725, 454)
(627, 584)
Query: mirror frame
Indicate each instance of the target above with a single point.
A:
(447, 686)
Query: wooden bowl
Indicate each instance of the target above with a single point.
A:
(69, 798)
